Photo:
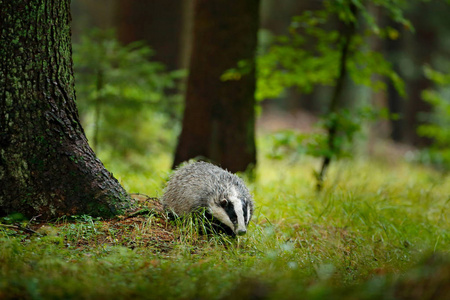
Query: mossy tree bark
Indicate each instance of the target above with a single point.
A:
(46, 164)
(219, 116)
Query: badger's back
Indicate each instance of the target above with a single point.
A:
(194, 185)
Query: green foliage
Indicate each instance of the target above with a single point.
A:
(393, 8)
(310, 54)
(123, 97)
(438, 126)
(322, 47)
(12, 218)
(365, 237)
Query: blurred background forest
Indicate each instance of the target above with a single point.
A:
(131, 60)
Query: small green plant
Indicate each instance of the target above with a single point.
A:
(294, 144)
(438, 122)
(77, 228)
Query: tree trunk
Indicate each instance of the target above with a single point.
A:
(158, 22)
(46, 164)
(422, 55)
(219, 116)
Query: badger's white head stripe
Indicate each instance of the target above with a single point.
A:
(240, 226)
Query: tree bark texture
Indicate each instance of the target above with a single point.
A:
(46, 164)
(219, 116)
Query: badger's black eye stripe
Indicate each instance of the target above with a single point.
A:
(231, 212)
(244, 209)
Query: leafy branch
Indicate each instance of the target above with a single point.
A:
(316, 54)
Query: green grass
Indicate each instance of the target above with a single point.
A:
(377, 231)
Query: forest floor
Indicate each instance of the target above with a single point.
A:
(378, 230)
(131, 230)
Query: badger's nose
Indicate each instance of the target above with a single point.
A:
(241, 231)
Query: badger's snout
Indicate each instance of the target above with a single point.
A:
(241, 232)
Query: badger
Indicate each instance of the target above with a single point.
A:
(222, 194)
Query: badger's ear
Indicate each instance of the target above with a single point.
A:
(223, 202)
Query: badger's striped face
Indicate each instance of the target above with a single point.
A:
(232, 212)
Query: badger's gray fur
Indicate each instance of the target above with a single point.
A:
(223, 194)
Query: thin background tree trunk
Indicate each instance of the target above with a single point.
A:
(46, 164)
(346, 35)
